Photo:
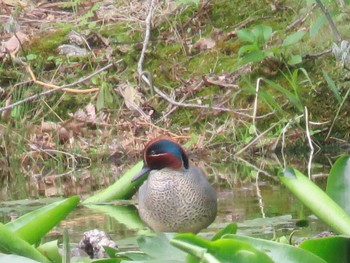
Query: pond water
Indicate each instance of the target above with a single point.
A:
(260, 205)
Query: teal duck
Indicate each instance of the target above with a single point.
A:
(176, 197)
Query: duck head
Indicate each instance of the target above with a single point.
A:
(162, 153)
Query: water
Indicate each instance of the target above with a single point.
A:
(260, 205)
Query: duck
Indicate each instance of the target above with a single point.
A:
(176, 196)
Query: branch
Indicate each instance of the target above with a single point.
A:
(330, 21)
(48, 92)
(146, 76)
(146, 40)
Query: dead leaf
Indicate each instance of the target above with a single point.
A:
(204, 44)
(72, 51)
(131, 96)
(15, 3)
(87, 115)
(13, 45)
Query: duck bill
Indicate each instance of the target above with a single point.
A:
(142, 173)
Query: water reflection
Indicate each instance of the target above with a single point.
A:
(258, 202)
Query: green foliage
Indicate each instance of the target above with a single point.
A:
(316, 200)
(279, 252)
(105, 98)
(124, 188)
(256, 48)
(256, 38)
(33, 226)
(338, 182)
(225, 246)
(331, 249)
(221, 250)
(12, 243)
(332, 86)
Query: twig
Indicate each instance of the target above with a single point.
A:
(48, 92)
(301, 19)
(257, 138)
(256, 104)
(317, 55)
(337, 114)
(148, 79)
(330, 21)
(308, 136)
(146, 40)
(284, 138)
(52, 86)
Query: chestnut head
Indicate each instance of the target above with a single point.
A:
(162, 153)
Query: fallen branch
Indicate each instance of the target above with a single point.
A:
(48, 92)
(146, 76)
(52, 86)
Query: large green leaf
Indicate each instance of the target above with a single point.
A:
(158, 247)
(338, 182)
(50, 250)
(280, 252)
(126, 215)
(219, 251)
(229, 229)
(316, 200)
(331, 249)
(16, 259)
(11, 243)
(33, 226)
(246, 35)
(124, 188)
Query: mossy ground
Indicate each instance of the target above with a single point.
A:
(176, 69)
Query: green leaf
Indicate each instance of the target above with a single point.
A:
(33, 226)
(320, 21)
(331, 249)
(293, 38)
(31, 57)
(338, 182)
(229, 229)
(219, 251)
(16, 259)
(316, 200)
(254, 56)
(246, 35)
(262, 33)
(50, 250)
(124, 214)
(247, 48)
(291, 97)
(332, 86)
(158, 247)
(11, 243)
(295, 59)
(100, 103)
(280, 252)
(124, 188)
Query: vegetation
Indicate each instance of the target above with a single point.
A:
(225, 246)
(219, 42)
(238, 78)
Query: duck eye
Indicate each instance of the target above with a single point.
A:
(153, 152)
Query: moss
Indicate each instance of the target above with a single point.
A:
(121, 33)
(46, 44)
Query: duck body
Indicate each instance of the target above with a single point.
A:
(176, 197)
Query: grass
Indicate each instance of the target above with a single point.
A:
(177, 69)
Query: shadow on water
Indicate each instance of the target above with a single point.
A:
(256, 200)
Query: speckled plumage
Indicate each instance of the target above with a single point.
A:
(176, 197)
(177, 201)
